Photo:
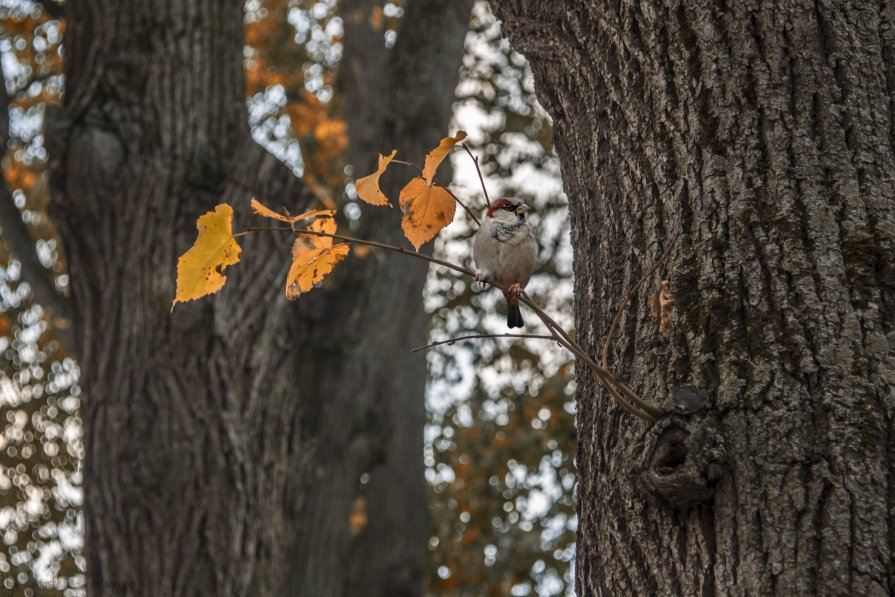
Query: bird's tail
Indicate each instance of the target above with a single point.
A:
(514, 316)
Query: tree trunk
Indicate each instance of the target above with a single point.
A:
(764, 134)
(211, 434)
(372, 427)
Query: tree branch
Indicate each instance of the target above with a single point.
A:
(480, 336)
(622, 394)
(54, 10)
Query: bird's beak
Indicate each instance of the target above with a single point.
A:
(521, 209)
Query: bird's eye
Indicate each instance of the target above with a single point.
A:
(509, 207)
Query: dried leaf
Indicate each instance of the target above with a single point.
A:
(368, 186)
(308, 242)
(266, 212)
(358, 518)
(376, 18)
(437, 155)
(662, 304)
(362, 250)
(313, 258)
(199, 269)
(427, 209)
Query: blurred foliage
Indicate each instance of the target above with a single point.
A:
(500, 438)
(292, 50)
(501, 433)
(40, 440)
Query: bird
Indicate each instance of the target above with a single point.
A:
(504, 251)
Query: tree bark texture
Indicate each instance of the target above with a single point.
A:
(225, 442)
(763, 133)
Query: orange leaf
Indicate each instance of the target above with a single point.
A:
(313, 258)
(376, 18)
(311, 267)
(358, 518)
(437, 155)
(266, 212)
(368, 186)
(427, 209)
(362, 250)
(308, 242)
(198, 270)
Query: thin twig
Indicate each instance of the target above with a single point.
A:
(480, 336)
(450, 192)
(475, 160)
(410, 164)
(631, 294)
(610, 381)
(360, 241)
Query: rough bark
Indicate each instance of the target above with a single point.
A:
(764, 133)
(224, 443)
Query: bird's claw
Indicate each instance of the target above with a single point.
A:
(482, 279)
(515, 291)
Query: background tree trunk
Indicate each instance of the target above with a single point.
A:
(763, 132)
(228, 439)
(373, 423)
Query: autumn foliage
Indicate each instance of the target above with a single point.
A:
(199, 269)
(428, 208)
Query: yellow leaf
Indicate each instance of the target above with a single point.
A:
(311, 267)
(313, 258)
(427, 209)
(368, 186)
(437, 155)
(198, 270)
(308, 242)
(266, 212)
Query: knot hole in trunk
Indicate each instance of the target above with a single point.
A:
(681, 458)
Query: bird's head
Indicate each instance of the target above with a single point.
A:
(507, 209)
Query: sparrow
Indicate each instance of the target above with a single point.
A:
(504, 251)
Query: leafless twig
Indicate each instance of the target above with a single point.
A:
(479, 336)
(475, 160)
